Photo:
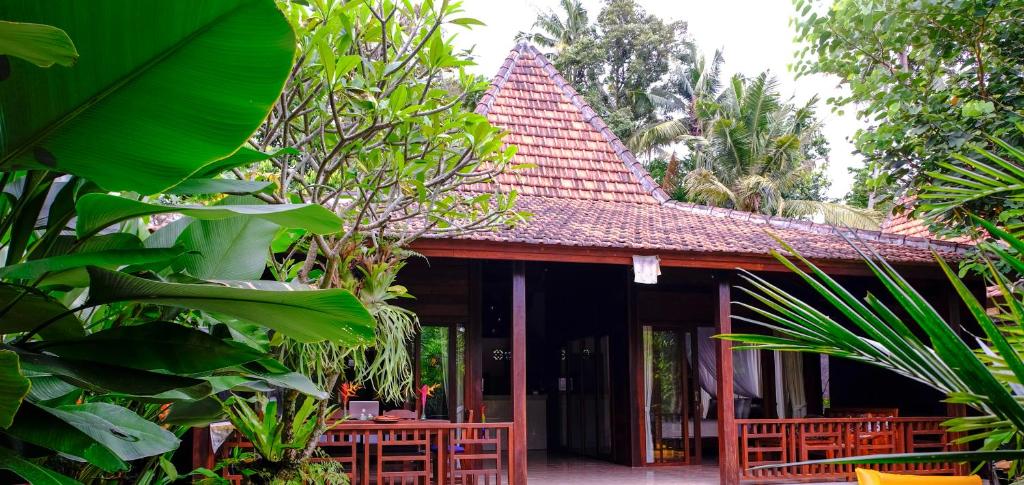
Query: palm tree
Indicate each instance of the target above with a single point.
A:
(554, 33)
(923, 346)
(751, 149)
(691, 90)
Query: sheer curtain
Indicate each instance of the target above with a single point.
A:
(648, 390)
(746, 372)
(793, 384)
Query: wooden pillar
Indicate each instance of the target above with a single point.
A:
(473, 393)
(637, 439)
(728, 449)
(956, 410)
(202, 449)
(519, 371)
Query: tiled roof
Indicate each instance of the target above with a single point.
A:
(574, 153)
(588, 190)
(671, 227)
(902, 223)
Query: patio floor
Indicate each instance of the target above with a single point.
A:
(544, 469)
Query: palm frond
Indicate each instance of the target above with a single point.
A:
(833, 213)
(703, 186)
(987, 175)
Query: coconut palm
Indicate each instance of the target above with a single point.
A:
(691, 90)
(551, 31)
(754, 153)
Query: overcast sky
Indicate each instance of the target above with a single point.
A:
(754, 34)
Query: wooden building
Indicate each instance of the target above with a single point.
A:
(552, 332)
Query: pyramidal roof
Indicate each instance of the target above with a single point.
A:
(587, 190)
(574, 153)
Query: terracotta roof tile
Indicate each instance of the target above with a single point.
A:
(587, 189)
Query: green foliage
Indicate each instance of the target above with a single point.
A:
(615, 62)
(42, 45)
(104, 335)
(142, 112)
(964, 183)
(871, 331)
(928, 78)
(269, 435)
(756, 152)
(872, 188)
(13, 387)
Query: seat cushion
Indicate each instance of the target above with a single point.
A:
(872, 477)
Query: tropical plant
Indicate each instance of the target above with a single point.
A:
(375, 115)
(692, 89)
(986, 378)
(270, 436)
(927, 78)
(552, 32)
(754, 154)
(958, 185)
(616, 62)
(112, 340)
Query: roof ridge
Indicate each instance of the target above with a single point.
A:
(819, 227)
(590, 116)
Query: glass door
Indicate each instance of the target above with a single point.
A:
(666, 397)
(437, 369)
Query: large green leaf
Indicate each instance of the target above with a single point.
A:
(307, 316)
(244, 156)
(161, 89)
(42, 45)
(123, 432)
(219, 186)
(37, 426)
(100, 377)
(278, 375)
(157, 346)
(69, 269)
(97, 211)
(23, 309)
(35, 474)
(13, 387)
(228, 249)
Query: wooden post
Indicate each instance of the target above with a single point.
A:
(473, 388)
(956, 410)
(202, 449)
(519, 370)
(728, 450)
(636, 384)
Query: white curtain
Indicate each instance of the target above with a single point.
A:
(648, 389)
(746, 370)
(793, 384)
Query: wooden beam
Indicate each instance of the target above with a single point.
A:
(506, 251)
(728, 449)
(519, 370)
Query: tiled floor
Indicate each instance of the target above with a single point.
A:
(561, 470)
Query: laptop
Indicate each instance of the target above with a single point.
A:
(357, 409)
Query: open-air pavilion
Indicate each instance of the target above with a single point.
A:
(582, 338)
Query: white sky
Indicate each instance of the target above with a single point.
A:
(754, 34)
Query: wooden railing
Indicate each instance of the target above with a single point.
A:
(410, 452)
(777, 441)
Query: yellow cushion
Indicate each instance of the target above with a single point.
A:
(872, 477)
